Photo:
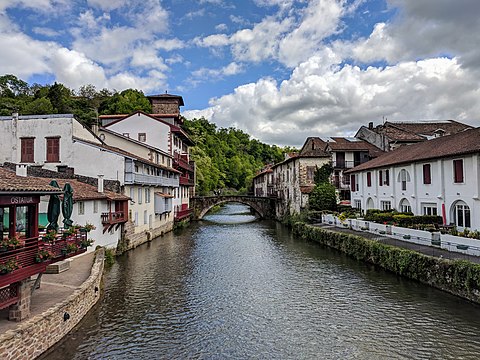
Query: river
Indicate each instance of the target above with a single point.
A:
(234, 287)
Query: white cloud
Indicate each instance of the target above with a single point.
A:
(168, 44)
(107, 5)
(45, 31)
(213, 74)
(221, 27)
(338, 101)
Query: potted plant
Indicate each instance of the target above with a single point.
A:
(43, 255)
(71, 247)
(8, 266)
(4, 245)
(50, 236)
(86, 243)
(14, 242)
(69, 232)
(89, 227)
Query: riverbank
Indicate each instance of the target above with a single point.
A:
(73, 292)
(458, 277)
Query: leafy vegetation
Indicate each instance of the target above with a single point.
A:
(227, 159)
(323, 195)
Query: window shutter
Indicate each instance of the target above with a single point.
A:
(387, 177)
(458, 170)
(53, 149)
(380, 178)
(352, 182)
(369, 179)
(427, 176)
(27, 148)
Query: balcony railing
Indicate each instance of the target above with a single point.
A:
(186, 181)
(114, 217)
(345, 164)
(341, 182)
(182, 161)
(182, 214)
(143, 179)
(24, 261)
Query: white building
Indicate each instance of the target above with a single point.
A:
(162, 130)
(436, 177)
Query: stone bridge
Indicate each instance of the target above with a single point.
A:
(263, 206)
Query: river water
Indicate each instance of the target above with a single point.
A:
(233, 287)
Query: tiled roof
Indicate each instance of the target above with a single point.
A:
(163, 195)
(10, 182)
(167, 96)
(464, 142)
(83, 191)
(428, 128)
(344, 144)
(318, 147)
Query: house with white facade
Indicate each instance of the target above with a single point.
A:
(163, 130)
(263, 182)
(436, 177)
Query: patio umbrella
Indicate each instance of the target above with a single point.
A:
(53, 210)
(67, 205)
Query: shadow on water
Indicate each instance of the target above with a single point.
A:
(250, 289)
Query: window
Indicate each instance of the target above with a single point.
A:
(352, 183)
(136, 218)
(387, 177)
(53, 149)
(142, 137)
(369, 179)
(386, 205)
(27, 150)
(145, 217)
(404, 177)
(429, 209)
(458, 171)
(462, 214)
(405, 206)
(147, 195)
(427, 174)
(358, 204)
(132, 193)
(311, 172)
(81, 208)
(140, 192)
(95, 206)
(380, 178)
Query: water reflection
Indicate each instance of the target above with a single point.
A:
(252, 290)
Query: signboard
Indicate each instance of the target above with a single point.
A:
(19, 200)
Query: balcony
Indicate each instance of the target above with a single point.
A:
(341, 182)
(345, 164)
(143, 179)
(114, 217)
(185, 181)
(182, 162)
(23, 261)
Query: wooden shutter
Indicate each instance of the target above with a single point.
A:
(53, 149)
(352, 182)
(387, 177)
(369, 179)
(380, 178)
(27, 150)
(427, 176)
(458, 170)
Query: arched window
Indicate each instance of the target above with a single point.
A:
(405, 206)
(370, 204)
(461, 214)
(403, 177)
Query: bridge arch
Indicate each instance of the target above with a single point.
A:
(263, 206)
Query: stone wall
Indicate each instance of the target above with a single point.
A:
(131, 240)
(36, 335)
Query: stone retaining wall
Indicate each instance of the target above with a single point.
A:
(132, 240)
(36, 335)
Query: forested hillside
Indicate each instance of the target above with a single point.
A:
(226, 159)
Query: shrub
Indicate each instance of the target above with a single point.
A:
(323, 197)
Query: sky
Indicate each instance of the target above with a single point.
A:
(281, 70)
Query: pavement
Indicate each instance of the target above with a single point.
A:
(54, 289)
(424, 249)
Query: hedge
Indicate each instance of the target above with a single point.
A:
(458, 277)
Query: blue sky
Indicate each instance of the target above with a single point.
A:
(281, 70)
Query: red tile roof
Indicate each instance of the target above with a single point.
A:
(10, 182)
(464, 142)
(344, 144)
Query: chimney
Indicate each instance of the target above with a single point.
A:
(370, 125)
(100, 183)
(21, 170)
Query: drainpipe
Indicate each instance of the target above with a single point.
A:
(14, 137)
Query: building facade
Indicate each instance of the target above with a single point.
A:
(436, 177)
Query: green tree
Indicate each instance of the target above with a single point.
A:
(60, 98)
(126, 102)
(323, 197)
(323, 174)
(38, 106)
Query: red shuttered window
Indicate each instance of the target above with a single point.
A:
(53, 149)
(380, 178)
(27, 150)
(387, 177)
(369, 179)
(352, 183)
(458, 171)
(427, 174)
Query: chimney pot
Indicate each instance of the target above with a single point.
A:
(370, 125)
(100, 184)
(21, 170)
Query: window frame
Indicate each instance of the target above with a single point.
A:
(458, 171)
(52, 149)
(27, 143)
(427, 174)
